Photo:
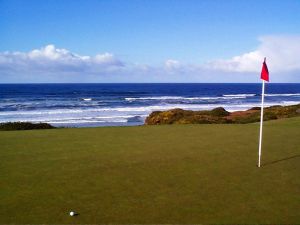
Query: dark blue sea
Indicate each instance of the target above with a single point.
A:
(86, 105)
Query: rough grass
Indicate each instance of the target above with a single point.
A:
(152, 174)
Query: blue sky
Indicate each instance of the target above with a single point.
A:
(146, 40)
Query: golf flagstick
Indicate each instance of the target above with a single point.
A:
(264, 77)
(261, 121)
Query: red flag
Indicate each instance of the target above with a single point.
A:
(264, 71)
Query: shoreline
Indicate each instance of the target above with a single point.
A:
(100, 105)
(180, 116)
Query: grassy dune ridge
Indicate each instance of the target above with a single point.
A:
(152, 174)
(220, 115)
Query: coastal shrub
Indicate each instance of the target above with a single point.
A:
(24, 126)
(220, 115)
(255, 108)
(220, 111)
(251, 118)
(270, 116)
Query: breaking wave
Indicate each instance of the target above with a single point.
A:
(129, 104)
(186, 98)
(283, 95)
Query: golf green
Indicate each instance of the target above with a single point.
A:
(152, 174)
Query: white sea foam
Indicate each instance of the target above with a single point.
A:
(224, 97)
(87, 99)
(81, 119)
(283, 95)
(118, 114)
(185, 98)
(240, 95)
(155, 98)
(140, 108)
(289, 103)
(84, 121)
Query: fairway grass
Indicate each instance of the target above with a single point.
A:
(152, 174)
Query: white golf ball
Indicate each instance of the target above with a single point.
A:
(72, 213)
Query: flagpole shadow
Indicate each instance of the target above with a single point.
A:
(280, 160)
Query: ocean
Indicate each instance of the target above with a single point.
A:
(88, 105)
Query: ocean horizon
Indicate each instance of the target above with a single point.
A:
(128, 104)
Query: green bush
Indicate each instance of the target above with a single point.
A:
(220, 111)
(24, 126)
(220, 115)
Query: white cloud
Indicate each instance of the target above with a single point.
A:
(50, 59)
(172, 64)
(282, 52)
(51, 64)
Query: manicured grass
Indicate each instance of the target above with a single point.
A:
(154, 174)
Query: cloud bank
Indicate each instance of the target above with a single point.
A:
(51, 59)
(282, 52)
(51, 64)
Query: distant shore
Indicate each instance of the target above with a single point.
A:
(179, 116)
(93, 105)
